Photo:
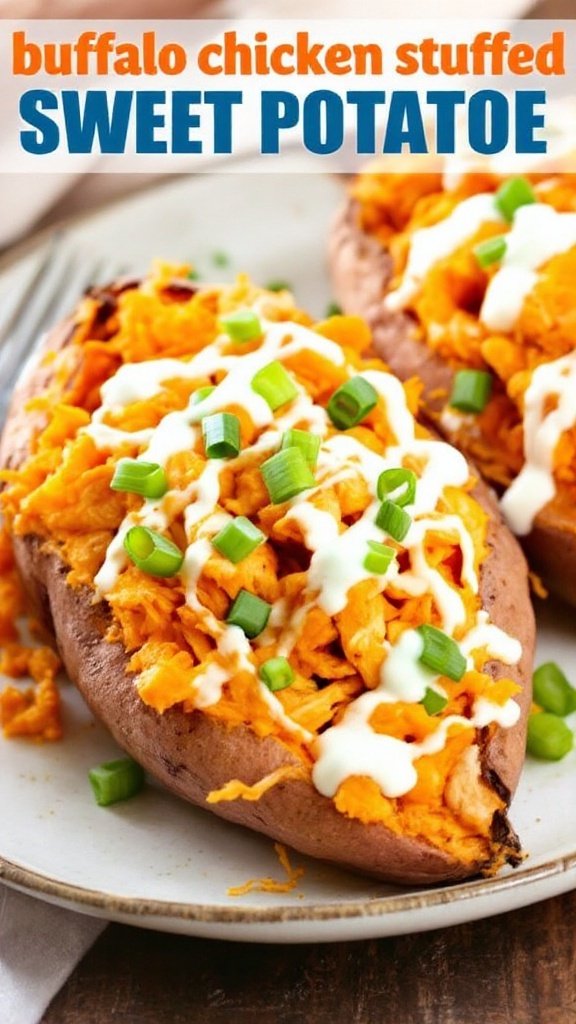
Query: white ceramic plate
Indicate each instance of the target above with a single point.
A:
(154, 860)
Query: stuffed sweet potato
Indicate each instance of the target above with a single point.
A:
(282, 595)
(472, 288)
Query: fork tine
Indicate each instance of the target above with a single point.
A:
(30, 287)
(38, 304)
(55, 302)
(62, 304)
(50, 296)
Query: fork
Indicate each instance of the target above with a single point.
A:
(59, 279)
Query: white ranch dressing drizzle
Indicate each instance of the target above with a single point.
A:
(535, 486)
(172, 435)
(447, 598)
(206, 494)
(337, 563)
(445, 467)
(429, 245)
(538, 233)
(175, 431)
(397, 412)
(116, 559)
(402, 675)
(208, 685)
(105, 436)
(486, 712)
(485, 635)
(231, 643)
(337, 560)
(137, 382)
(353, 748)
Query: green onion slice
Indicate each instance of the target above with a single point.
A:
(351, 403)
(221, 433)
(513, 194)
(490, 251)
(394, 520)
(116, 780)
(398, 485)
(243, 325)
(286, 474)
(275, 385)
(433, 702)
(276, 674)
(471, 390)
(552, 691)
(333, 309)
(549, 738)
(220, 258)
(277, 285)
(309, 444)
(238, 539)
(145, 478)
(249, 612)
(202, 393)
(441, 653)
(378, 558)
(152, 553)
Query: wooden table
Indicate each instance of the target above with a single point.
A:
(519, 968)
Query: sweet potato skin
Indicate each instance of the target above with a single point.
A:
(192, 754)
(361, 271)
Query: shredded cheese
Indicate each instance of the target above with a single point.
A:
(271, 884)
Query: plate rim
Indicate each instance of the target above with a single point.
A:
(38, 884)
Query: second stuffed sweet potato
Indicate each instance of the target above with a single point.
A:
(471, 288)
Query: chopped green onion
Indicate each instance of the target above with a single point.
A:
(192, 275)
(398, 485)
(433, 702)
(378, 558)
(275, 385)
(309, 444)
(394, 520)
(243, 325)
(220, 259)
(351, 403)
(202, 393)
(549, 738)
(333, 309)
(145, 478)
(286, 474)
(152, 553)
(441, 653)
(238, 539)
(490, 251)
(471, 390)
(116, 780)
(552, 691)
(513, 194)
(221, 433)
(277, 286)
(249, 612)
(276, 674)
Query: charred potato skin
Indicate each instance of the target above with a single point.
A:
(361, 272)
(192, 753)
